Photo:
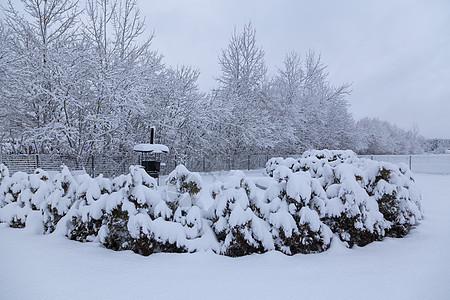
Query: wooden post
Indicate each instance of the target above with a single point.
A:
(410, 165)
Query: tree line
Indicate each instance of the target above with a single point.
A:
(82, 79)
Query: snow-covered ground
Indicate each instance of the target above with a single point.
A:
(415, 267)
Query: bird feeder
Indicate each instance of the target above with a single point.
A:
(150, 155)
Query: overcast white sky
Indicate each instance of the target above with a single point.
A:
(395, 53)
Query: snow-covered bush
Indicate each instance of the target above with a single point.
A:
(398, 196)
(5, 182)
(58, 202)
(331, 155)
(136, 218)
(292, 205)
(365, 200)
(181, 183)
(40, 187)
(22, 195)
(378, 199)
(120, 209)
(17, 196)
(273, 163)
(236, 226)
(122, 215)
(87, 211)
(313, 161)
(350, 211)
(183, 191)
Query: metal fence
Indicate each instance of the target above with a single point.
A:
(427, 163)
(111, 166)
(219, 162)
(93, 165)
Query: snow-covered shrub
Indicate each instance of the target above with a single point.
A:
(22, 195)
(40, 187)
(236, 226)
(397, 194)
(182, 194)
(181, 182)
(331, 155)
(126, 201)
(292, 205)
(378, 199)
(350, 211)
(366, 200)
(5, 182)
(17, 196)
(59, 201)
(88, 212)
(313, 161)
(121, 215)
(131, 219)
(320, 163)
(273, 163)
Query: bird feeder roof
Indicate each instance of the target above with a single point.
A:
(151, 148)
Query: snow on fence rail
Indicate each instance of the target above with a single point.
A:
(116, 165)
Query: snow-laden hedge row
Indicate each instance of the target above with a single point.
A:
(365, 200)
(311, 200)
(126, 213)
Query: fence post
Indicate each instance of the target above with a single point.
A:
(204, 164)
(248, 162)
(92, 166)
(37, 161)
(410, 165)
